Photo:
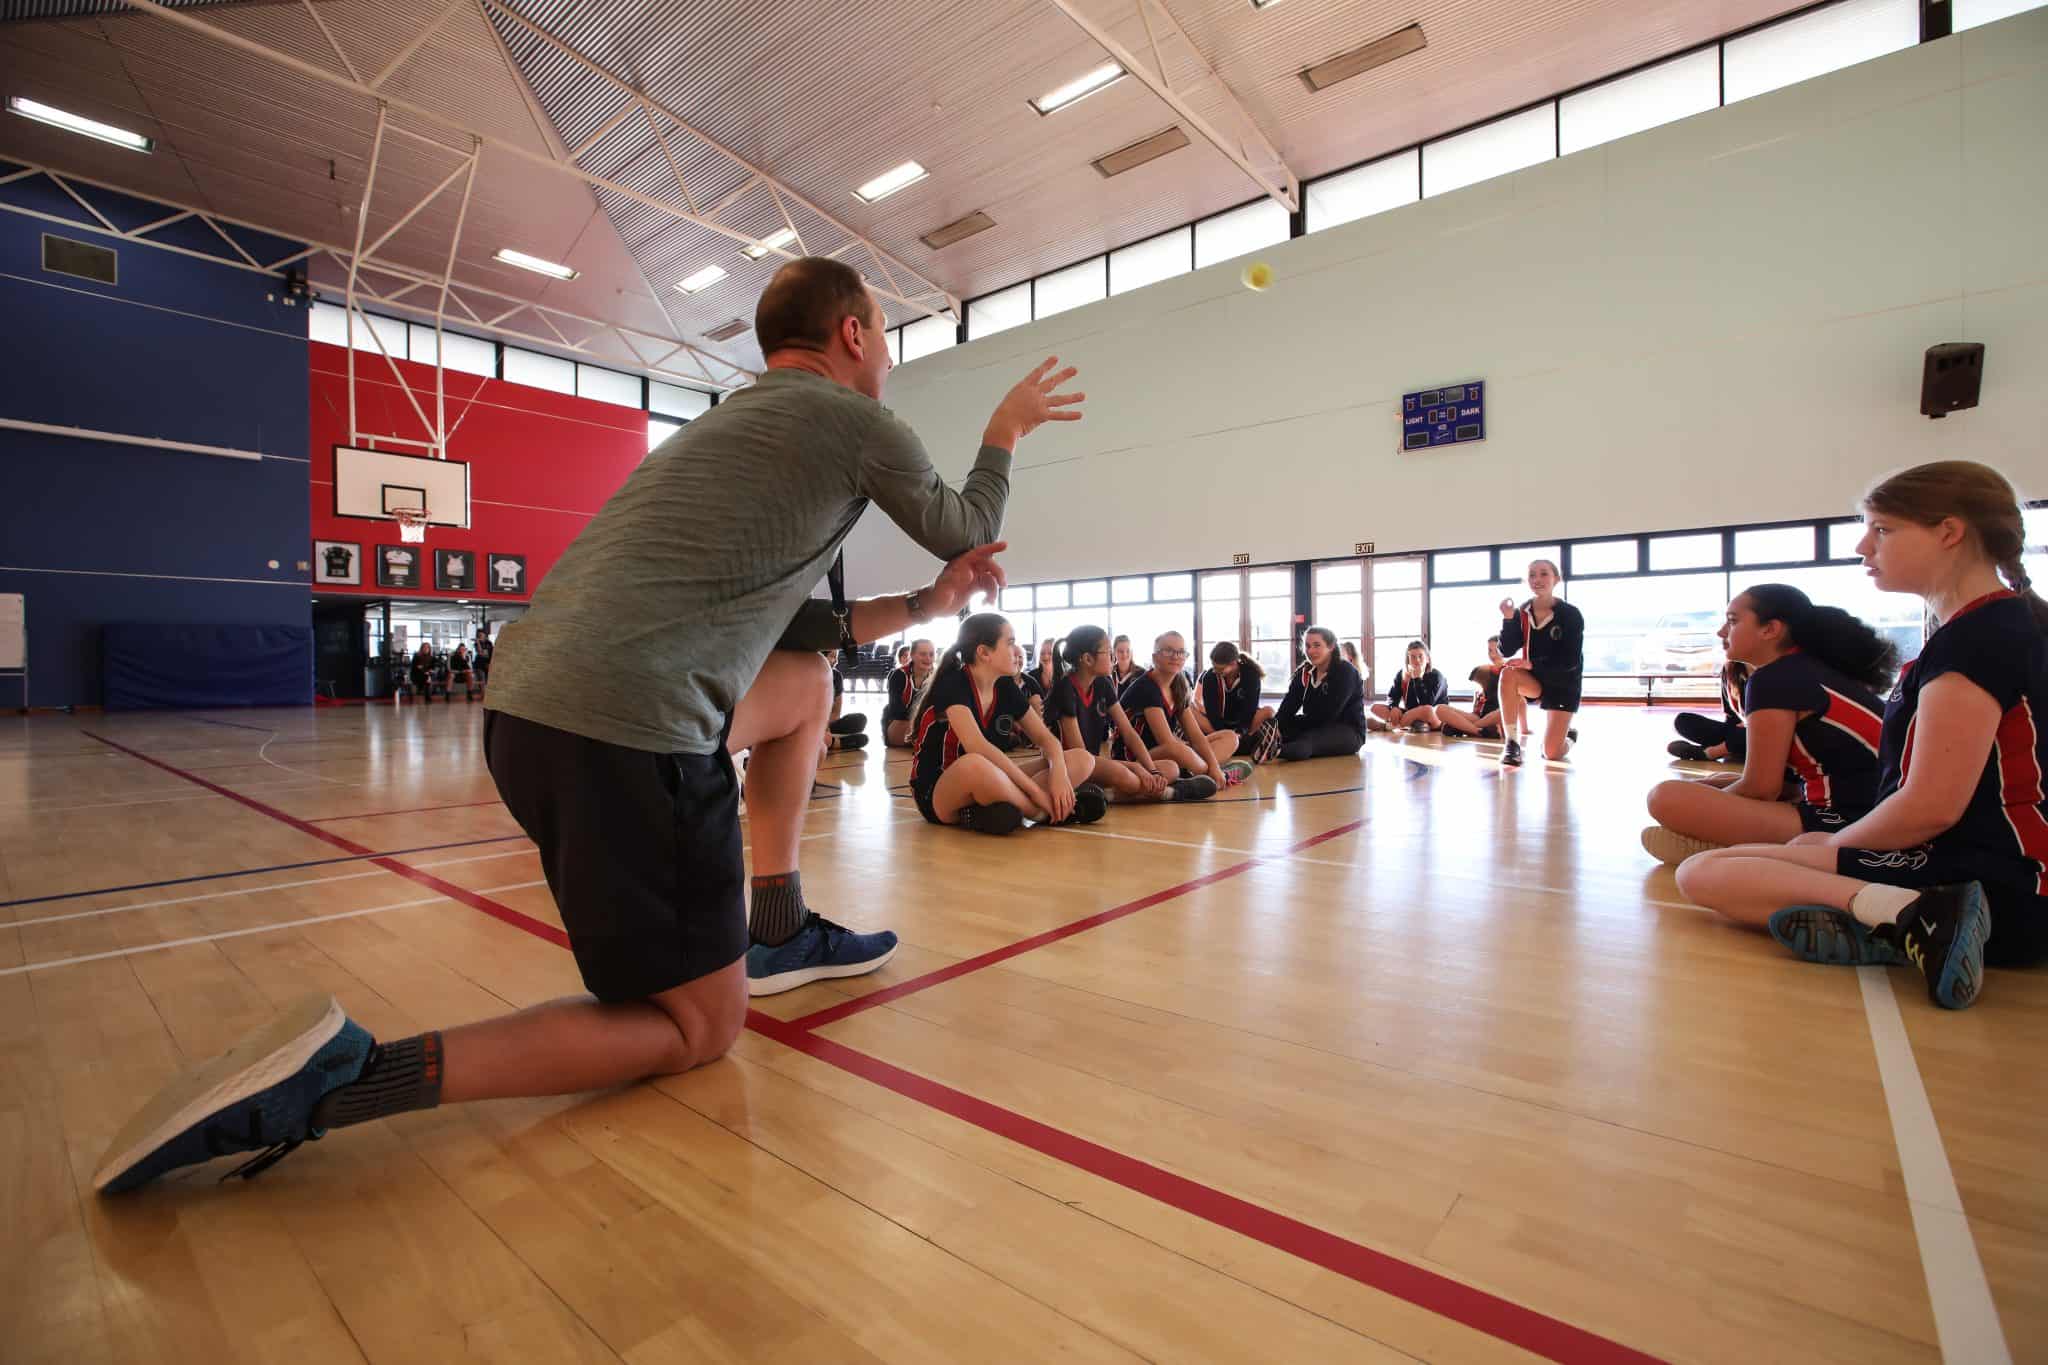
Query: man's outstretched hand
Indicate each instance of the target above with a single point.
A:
(965, 577)
(1032, 402)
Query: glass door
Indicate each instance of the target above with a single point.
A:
(1340, 600)
(1399, 614)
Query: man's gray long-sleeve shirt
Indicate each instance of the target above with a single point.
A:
(655, 622)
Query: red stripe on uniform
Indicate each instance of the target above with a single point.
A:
(1813, 779)
(1853, 717)
(2017, 751)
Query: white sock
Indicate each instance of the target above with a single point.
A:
(1877, 905)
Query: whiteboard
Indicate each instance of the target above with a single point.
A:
(13, 630)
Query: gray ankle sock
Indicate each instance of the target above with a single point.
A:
(397, 1078)
(775, 910)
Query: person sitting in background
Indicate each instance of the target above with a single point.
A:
(422, 673)
(1483, 720)
(1414, 696)
(1227, 697)
(1122, 667)
(1702, 738)
(913, 669)
(842, 731)
(482, 655)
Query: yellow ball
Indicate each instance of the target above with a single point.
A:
(1258, 275)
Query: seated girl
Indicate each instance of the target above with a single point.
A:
(905, 681)
(1083, 710)
(1228, 697)
(968, 720)
(1949, 871)
(1702, 738)
(1323, 713)
(1812, 705)
(1483, 720)
(1122, 669)
(1156, 701)
(1416, 693)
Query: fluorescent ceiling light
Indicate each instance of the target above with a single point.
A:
(775, 240)
(726, 331)
(1108, 74)
(1357, 62)
(75, 123)
(887, 183)
(1142, 151)
(702, 280)
(958, 230)
(534, 263)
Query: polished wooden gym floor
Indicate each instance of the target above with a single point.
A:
(1378, 1058)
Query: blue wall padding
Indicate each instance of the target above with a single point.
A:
(186, 666)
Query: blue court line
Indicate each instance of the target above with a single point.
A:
(254, 871)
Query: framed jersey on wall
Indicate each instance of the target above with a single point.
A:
(455, 570)
(398, 566)
(337, 561)
(506, 573)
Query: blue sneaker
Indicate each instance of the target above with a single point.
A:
(1943, 934)
(1837, 938)
(820, 951)
(258, 1096)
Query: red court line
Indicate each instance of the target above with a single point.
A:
(538, 928)
(1499, 1318)
(835, 1013)
(1439, 1294)
(409, 810)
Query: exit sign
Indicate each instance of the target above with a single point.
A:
(1363, 547)
(1240, 559)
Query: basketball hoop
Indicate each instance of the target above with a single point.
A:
(412, 523)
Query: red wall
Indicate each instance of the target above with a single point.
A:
(540, 463)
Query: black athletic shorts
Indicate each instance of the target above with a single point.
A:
(893, 713)
(642, 851)
(1826, 819)
(922, 798)
(2019, 918)
(1561, 691)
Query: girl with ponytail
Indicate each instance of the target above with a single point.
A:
(1949, 871)
(1228, 696)
(1811, 704)
(968, 719)
(1084, 710)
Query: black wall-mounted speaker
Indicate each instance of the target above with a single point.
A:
(1950, 377)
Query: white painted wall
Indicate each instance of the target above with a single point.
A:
(1716, 321)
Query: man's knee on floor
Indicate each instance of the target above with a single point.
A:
(707, 1019)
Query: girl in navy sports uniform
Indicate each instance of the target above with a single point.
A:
(1083, 711)
(1950, 870)
(1122, 668)
(1483, 720)
(1045, 674)
(1812, 708)
(1416, 692)
(1323, 713)
(1228, 697)
(905, 681)
(1157, 700)
(968, 719)
(1701, 738)
(1550, 635)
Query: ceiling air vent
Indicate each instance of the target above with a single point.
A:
(81, 259)
(726, 331)
(1138, 153)
(958, 230)
(1358, 61)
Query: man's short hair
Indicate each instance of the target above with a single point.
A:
(805, 302)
